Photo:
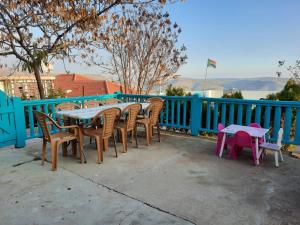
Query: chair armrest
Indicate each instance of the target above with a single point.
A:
(69, 127)
(62, 127)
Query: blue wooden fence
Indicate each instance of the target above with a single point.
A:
(199, 114)
(48, 106)
(193, 114)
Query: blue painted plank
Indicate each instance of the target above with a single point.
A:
(287, 124)
(184, 112)
(297, 132)
(200, 113)
(267, 116)
(172, 112)
(45, 108)
(248, 114)
(11, 115)
(178, 112)
(208, 112)
(231, 113)
(20, 123)
(223, 120)
(196, 117)
(277, 122)
(257, 114)
(216, 115)
(267, 119)
(167, 112)
(240, 114)
(31, 121)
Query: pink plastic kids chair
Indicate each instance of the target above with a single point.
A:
(241, 140)
(260, 140)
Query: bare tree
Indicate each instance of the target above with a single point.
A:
(143, 49)
(293, 70)
(36, 31)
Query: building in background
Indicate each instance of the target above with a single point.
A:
(251, 94)
(22, 84)
(211, 93)
(78, 85)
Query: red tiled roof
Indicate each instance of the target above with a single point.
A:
(78, 85)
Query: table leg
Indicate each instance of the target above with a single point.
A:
(81, 141)
(222, 145)
(64, 148)
(74, 148)
(257, 152)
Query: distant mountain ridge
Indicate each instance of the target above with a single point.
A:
(258, 83)
(192, 84)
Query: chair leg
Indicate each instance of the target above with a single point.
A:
(276, 159)
(158, 131)
(115, 144)
(135, 135)
(152, 131)
(232, 152)
(74, 148)
(105, 145)
(80, 143)
(119, 139)
(44, 151)
(147, 129)
(54, 147)
(124, 139)
(99, 142)
(65, 149)
(280, 153)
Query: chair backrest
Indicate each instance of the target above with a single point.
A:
(111, 101)
(220, 127)
(133, 110)
(93, 104)
(254, 125)
(42, 120)
(279, 137)
(67, 106)
(242, 138)
(220, 134)
(154, 99)
(154, 109)
(109, 116)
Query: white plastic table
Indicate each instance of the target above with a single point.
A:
(89, 113)
(253, 131)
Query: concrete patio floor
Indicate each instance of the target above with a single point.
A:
(177, 181)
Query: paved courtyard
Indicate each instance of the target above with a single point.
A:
(178, 181)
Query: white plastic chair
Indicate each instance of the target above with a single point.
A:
(275, 147)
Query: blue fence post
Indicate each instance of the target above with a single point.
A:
(195, 115)
(19, 123)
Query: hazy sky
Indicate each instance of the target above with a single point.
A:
(245, 37)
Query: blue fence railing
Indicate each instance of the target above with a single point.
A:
(201, 114)
(48, 106)
(176, 112)
(194, 114)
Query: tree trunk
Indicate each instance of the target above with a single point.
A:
(37, 75)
